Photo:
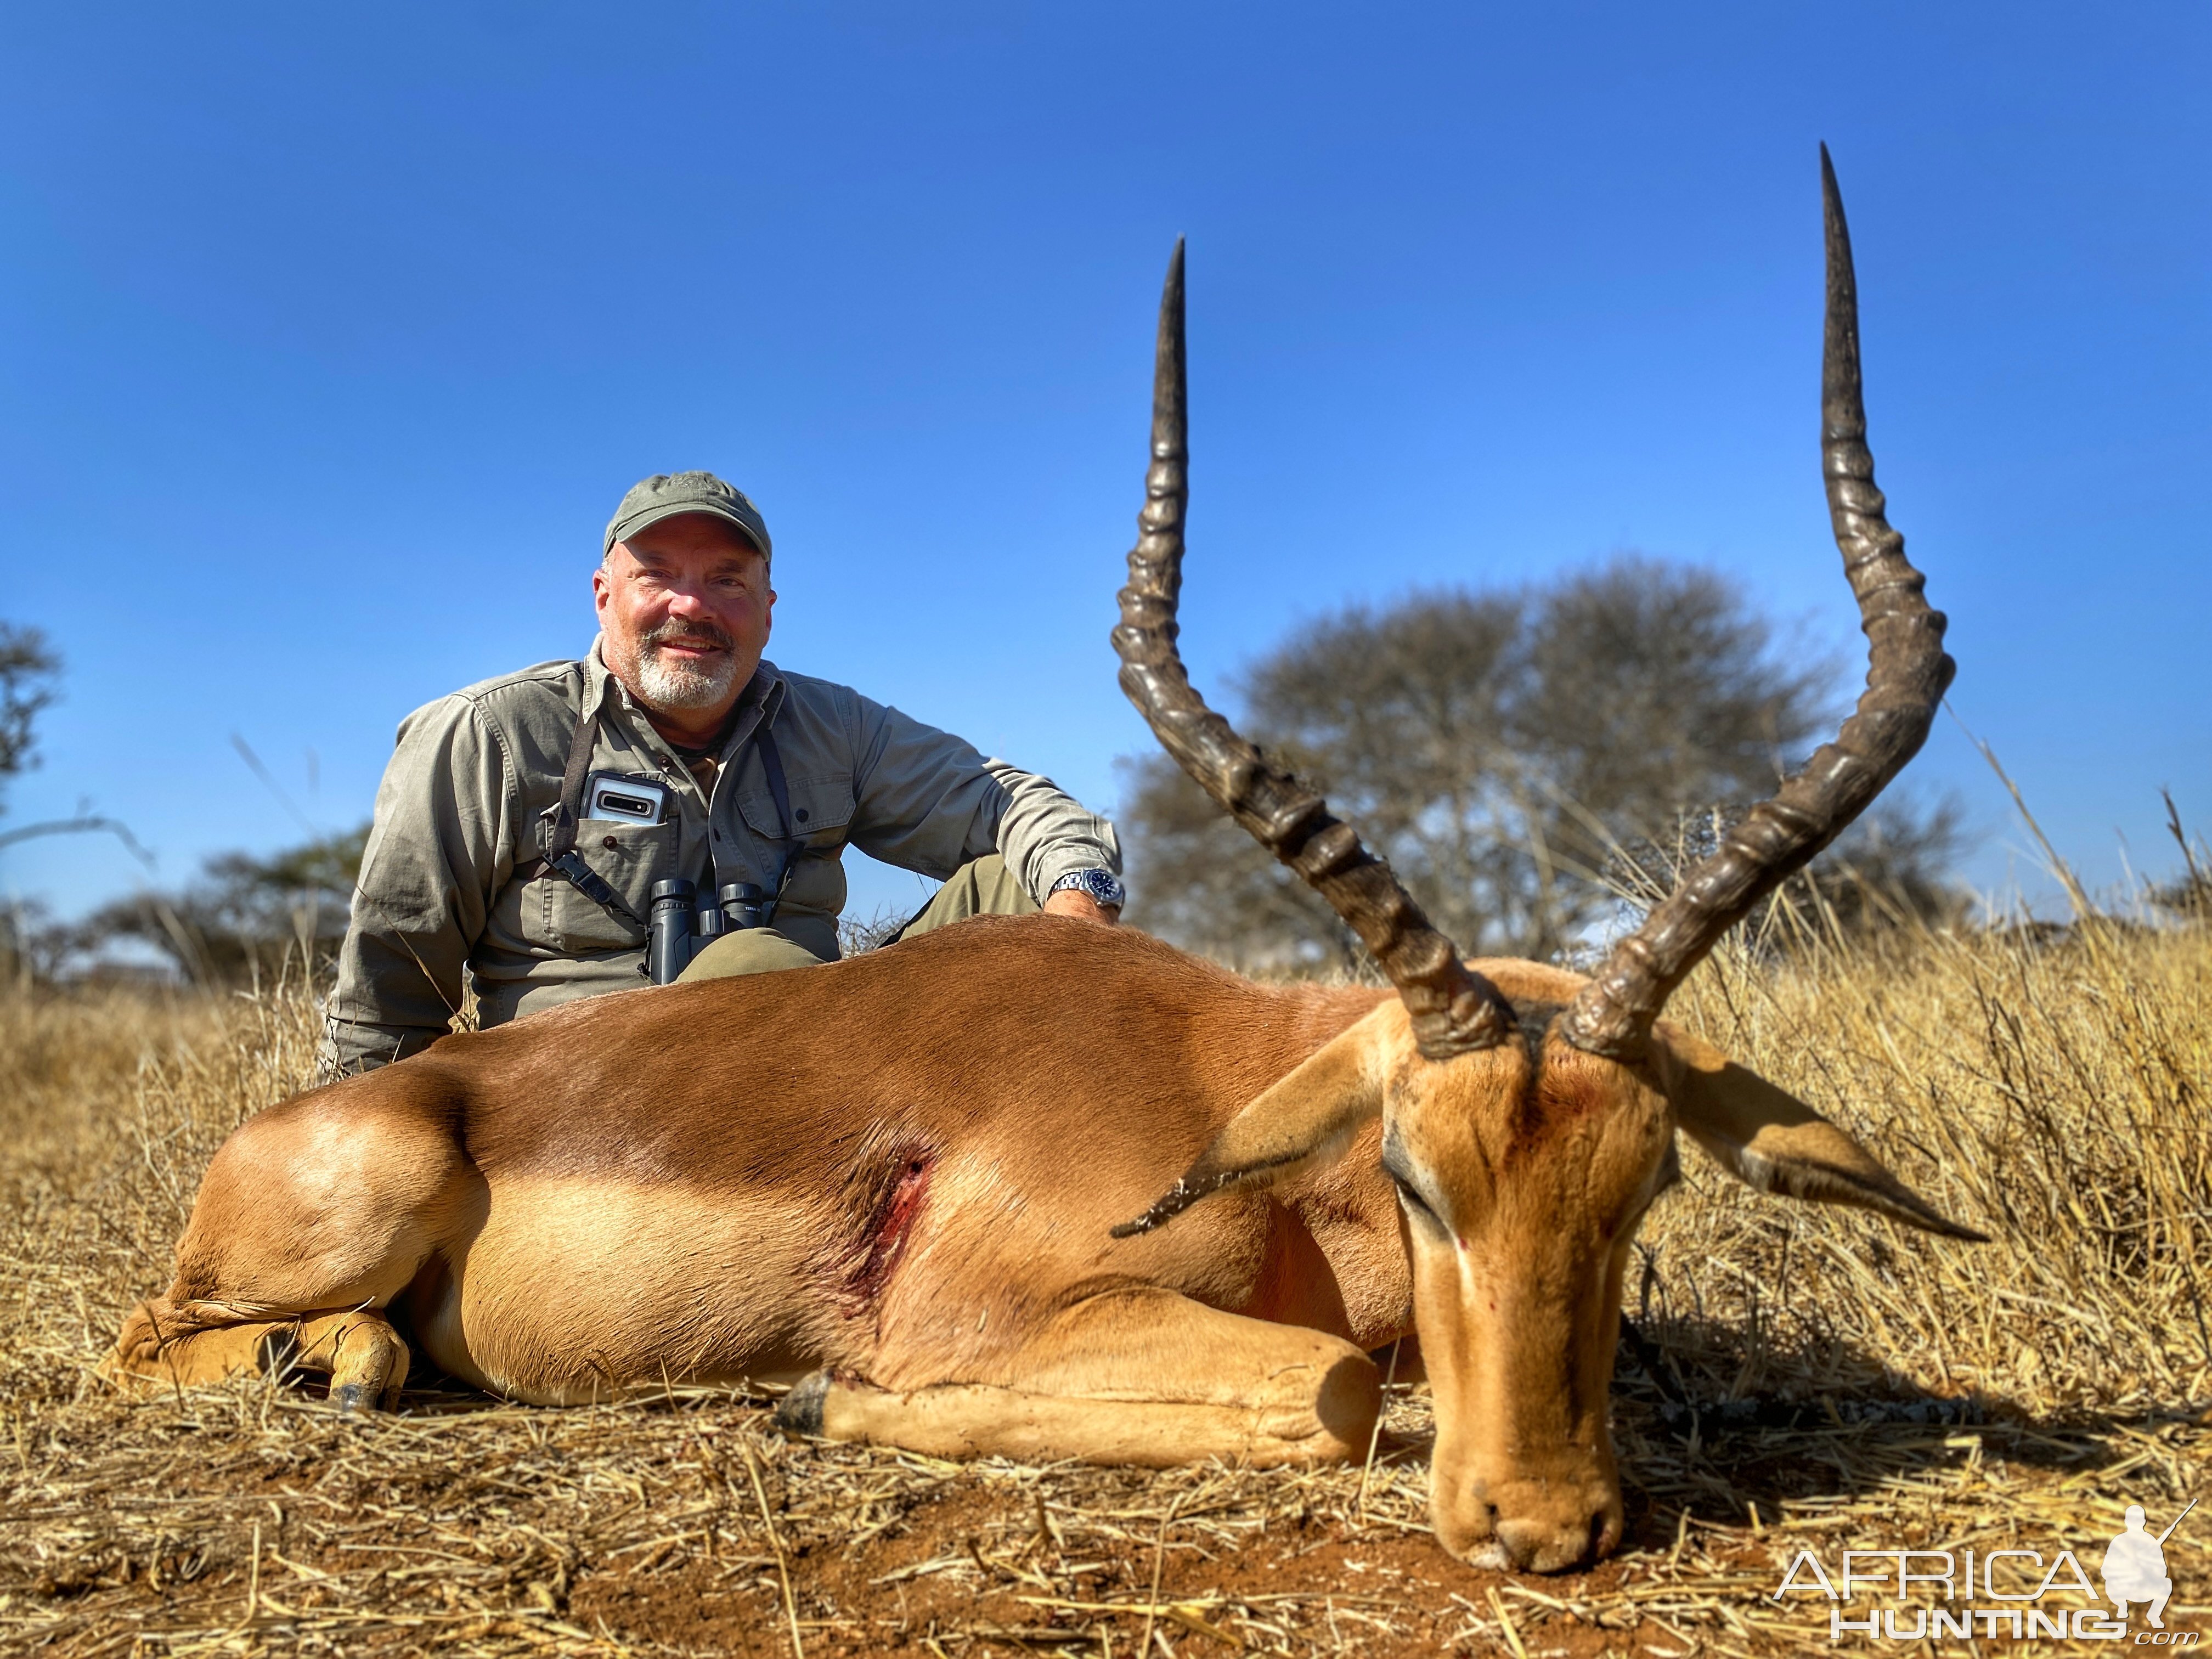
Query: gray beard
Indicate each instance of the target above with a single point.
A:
(662, 683)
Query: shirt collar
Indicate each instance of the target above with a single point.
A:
(598, 679)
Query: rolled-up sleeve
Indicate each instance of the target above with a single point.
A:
(926, 801)
(440, 847)
(1044, 834)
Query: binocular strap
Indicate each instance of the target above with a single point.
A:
(562, 858)
(780, 792)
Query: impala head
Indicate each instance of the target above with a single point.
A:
(1530, 1114)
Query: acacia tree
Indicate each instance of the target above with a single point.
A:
(28, 669)
(1517, 757)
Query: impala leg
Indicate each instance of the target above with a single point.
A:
(1148, 1378)
(311, 1218)
(201, 1342)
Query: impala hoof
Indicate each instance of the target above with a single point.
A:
(801, 1411)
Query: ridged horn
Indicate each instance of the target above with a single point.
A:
(1907, 673)
(1454, 1011)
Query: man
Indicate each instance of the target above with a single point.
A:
(2135, 1570)
(523, 822)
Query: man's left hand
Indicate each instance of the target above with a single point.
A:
(1072, 901)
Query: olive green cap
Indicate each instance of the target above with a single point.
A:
(665, 494)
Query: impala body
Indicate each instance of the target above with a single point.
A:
(1037, 1187)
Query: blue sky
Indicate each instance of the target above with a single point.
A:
(327, 343)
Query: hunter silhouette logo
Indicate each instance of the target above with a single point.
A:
(2135, 1566)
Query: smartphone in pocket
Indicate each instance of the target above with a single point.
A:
(615, 797)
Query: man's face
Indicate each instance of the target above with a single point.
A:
(685, 607)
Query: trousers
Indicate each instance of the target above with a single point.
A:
(984, 888)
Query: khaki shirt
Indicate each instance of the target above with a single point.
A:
(452, 877)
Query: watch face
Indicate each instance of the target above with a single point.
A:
(1102, 887)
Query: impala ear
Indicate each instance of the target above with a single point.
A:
(1770, 1140)
(1308, 1118)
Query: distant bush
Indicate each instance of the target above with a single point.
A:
(244, 919)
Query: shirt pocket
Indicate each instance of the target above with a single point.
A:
(629, 858)
(821, 808)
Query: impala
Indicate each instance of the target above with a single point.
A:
(897, 1180)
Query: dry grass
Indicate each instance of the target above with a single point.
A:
(1796, 1377)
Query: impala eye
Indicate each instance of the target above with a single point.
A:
(1405, 1191)
(1411, 1193)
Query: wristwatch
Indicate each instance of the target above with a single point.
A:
(1104, 887)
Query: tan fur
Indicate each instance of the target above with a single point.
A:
(900, 1173)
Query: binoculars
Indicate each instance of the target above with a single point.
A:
(681, 928)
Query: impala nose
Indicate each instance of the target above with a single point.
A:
(1545, 1546)
(1535, 1526)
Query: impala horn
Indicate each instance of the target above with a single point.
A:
(1454, 1011)
(1907, 673)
